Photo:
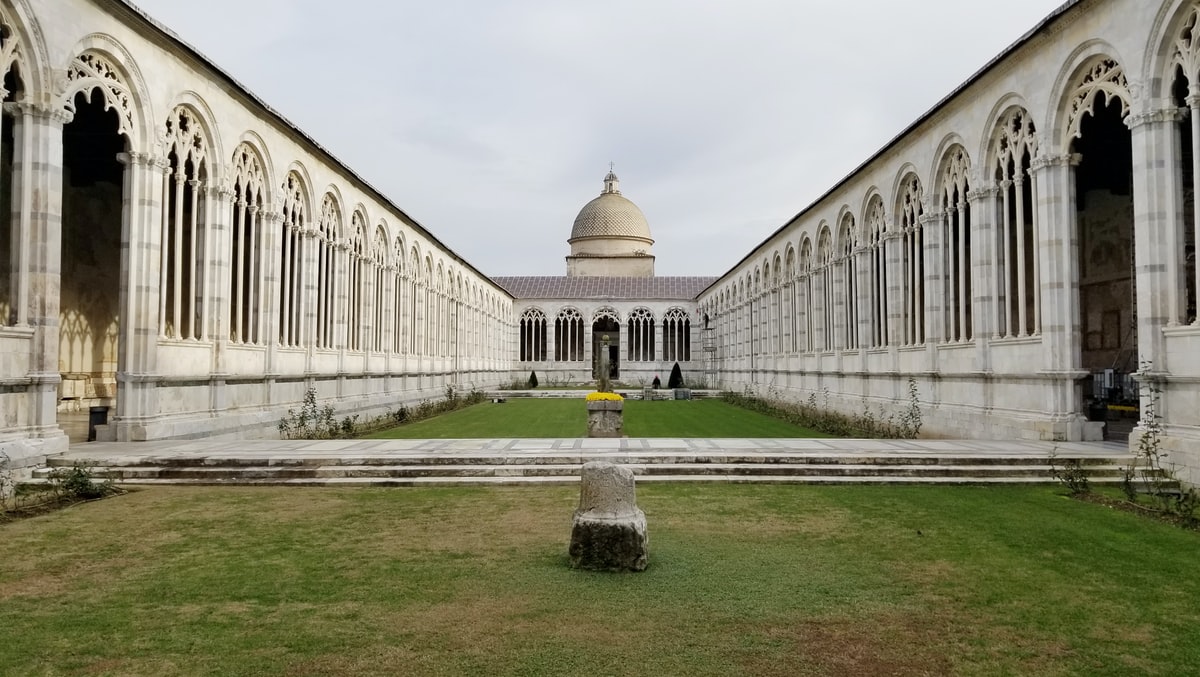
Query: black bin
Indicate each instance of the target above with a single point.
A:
(96, 416)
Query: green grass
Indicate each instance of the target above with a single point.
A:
(527, 417)
(770, 580)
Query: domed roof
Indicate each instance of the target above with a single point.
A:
(611, 215)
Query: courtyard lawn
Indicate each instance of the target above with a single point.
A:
(533, 417)
(763, 580)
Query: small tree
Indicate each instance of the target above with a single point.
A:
(676, 379)
(533, 379)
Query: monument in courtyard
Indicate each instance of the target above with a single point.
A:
(608, 532)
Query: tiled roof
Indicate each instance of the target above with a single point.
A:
(562, 287)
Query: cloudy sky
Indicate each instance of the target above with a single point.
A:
(493, 122)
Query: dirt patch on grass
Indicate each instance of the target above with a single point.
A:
(904, 643)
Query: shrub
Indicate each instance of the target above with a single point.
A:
(676, 378)
(533, 382)
(78, 483)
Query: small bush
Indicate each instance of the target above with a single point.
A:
(78, 483)
(675, 380)
(533, 382)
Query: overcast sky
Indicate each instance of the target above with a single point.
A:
(493, 122)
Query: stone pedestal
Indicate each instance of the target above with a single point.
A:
(606, 418)
(608, 531)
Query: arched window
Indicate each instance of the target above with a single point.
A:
(957, 246)
(912, 271)
(355, 279)
(185, 204)
(848, 241)
(641, 335)
(825, 290)
(401, 312)
(379, 278)
(877, 278)
(291, 263)
(568, 336)
(246, 279)
(677, 336)
(533, 336)
(806, 301)
(1019, 304)
(329, 230)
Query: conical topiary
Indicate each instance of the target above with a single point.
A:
(533, 379)
(676, 380)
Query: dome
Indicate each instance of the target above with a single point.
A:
(611, 215)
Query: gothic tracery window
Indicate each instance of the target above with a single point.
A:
(354, 299)
(329, 229)
(379, 278)
(1019, 305)
(186, 208)
(641, 335)
(848, 296)
(568, 336)
(956, 247)
(533, 336)
(877, 277)
(291, 264)
(912, 269)
(246, 279)
(400, 299)
(677, 336)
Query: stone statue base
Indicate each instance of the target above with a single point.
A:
(606, 418)
(609, 530)
(609, 545)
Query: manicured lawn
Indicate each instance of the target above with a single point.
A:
(520, 417)
(765, 580)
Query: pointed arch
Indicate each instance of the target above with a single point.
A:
(295, 214)
(250, 187)
(1011, 153)
(103, 67)
(954, 185)
(186, 245)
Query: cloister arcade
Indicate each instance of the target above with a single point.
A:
(194, 262)
(1023, 253)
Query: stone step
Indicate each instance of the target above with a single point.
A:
(574, 480)
(250, 460)
(716, 471)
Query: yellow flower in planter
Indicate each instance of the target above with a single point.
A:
(600, 397)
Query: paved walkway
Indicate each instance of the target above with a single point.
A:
(101, 452)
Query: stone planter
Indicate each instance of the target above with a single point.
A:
(606, 418)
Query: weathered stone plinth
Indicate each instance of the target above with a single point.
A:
(608, 531)
(606, 418)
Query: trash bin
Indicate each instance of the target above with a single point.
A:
(96, 416)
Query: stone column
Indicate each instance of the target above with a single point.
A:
(893, 244)
(37, 256)
(933, 225)
(218, 246)
(1158, 230)
(141, 247)
(1058, 261)
(984, 270)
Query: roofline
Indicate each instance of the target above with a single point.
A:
(238, 88)
(988, 67)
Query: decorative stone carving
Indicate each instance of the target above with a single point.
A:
(609, 530)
